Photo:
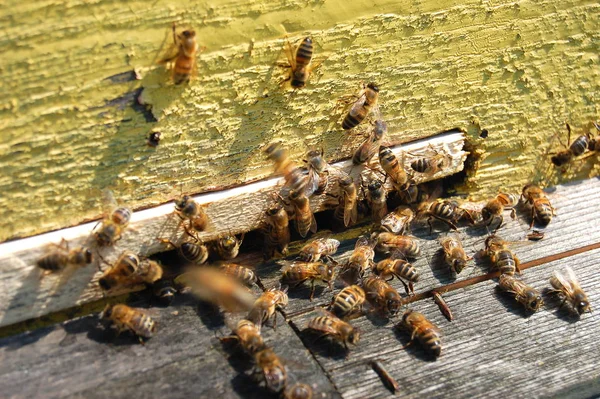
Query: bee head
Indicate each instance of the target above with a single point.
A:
(373, 86)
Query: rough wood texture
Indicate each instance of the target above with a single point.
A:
(236, 210)
(73, 125)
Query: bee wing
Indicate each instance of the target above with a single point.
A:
(312, 183)
(571, 277)
(109, 203)
(350, 215)
(397, 254)
(362, 241)
(563, 280)
(313, 223)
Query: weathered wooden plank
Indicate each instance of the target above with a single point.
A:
(236, 210)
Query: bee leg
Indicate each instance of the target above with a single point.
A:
(532, 217)
(513, 213)
(405, 287)
(312, 290)
(141, 340)
(275, 321)
(430, 225)
(517, 264)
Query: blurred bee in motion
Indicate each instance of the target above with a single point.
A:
(448, 212)
(264, 307)
(359, 261)
(319, 248)
(271, 368)
(182, 55)
(61, 256)
(125, 318)
(425, 331)
(454, 253)
(493, 209)
(393, 169)
(541, 209)
(214, 286)
(129, 271)
(524, 294)
(303, 215)
(442, 305)
(193, 252)
(399, 268)
(408, 246)
(398, 221)
(112, 227)
(318, 173)
(248, 335)
(565, 283)
(366, 101)
(430, 165)
(295, 273)
(300, 62)
(277, 232)
(338, 330)
(298, 391)
(501, 257)
(347, 209)
(376, 200)
(239, 272)
(164, 290)
(189, 210)
(348, 301)
(292, 174)
(370, 146)
(382, 296)
(574, 149)
(228, 247)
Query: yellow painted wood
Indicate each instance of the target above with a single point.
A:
(516, 68)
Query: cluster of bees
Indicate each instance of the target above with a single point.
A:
(364, 281)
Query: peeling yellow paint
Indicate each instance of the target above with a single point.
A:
(516, 68)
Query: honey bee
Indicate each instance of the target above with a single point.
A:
(228, 247)
(193, 252)
(321, 247)
(370, 146)
(393, 169)
(382, 296)
(567, 285)
(430, 165)
(128, 271)
(112, 227)
(164, 290)
(348, 301)
(442, 305)
(406, 245)
(298, 391)
(574, 149)
(541, 209)
(358, 262)
(189, 210)
(501, 257)
(214, 286)
(183, 61)
(277, 232)
(296, 273)
(493, 209)
(292, 174)
(337, 329)
(264, 307)
(524, 294)
(398, 221)
(300, 62)
(366, 100)
(425, 331)
(376, 199)
(248, 335)
(399, 268)
(271, 368)
(347, 209)
(318, 173)
(61, 257)
(454, 253)
(239, 272)
(303, 215)
(448, 212)
(125, 318)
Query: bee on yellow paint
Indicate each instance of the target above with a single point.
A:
(567, 285)
(574, 149)
(182, 56)
(541, 208)
(61, 256)
(125, 318)
(300, 62)
(425, 331)
(370, 146)
(366, 101)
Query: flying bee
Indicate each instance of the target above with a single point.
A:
(277, 232)
(292, 174)
(298, 391)
(493, 208)
(125, 318)
(318, 173)
(164, 290)
(228, 247)
(430, 165)
(541, 209)
(359, 261)
(189, 210)
(382, 296)
(182, 56)
(321, 247)
(502, 258)
(448, 212)
(366, 100)
(399, 268)
(425, 331)
(454, 253)
(337, 329)
(59, 258)
(296, 273)
(574, 149)
(442, 305)
(248, 335)
(300, 62)
(193, 252)
(264, 307)
(112, 227)
(398, 221)
(239, 272)
(370, 146)
(303, 215)
(347, 209)
(408, 246)
(524, 294)
(376, 200)
(214, 286)
(348, 301)
(393, 169)
(567, 285)
(271, 368)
